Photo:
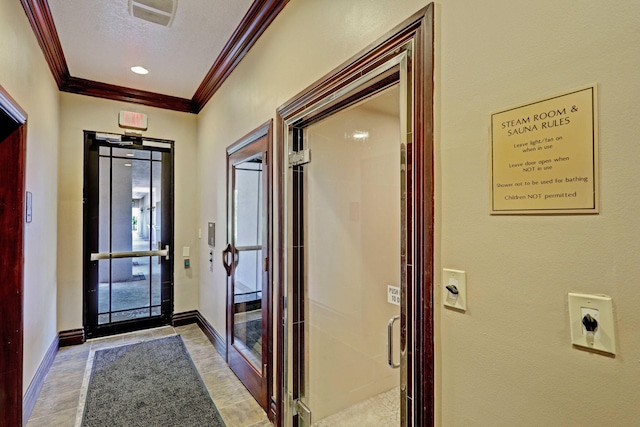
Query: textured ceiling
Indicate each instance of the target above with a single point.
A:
(101, 42)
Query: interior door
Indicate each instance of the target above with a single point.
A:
(246, 260)
(128, 229)
(347, 272)
(12, 209)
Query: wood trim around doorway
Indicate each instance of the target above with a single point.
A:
(12, 210)
(419, 29)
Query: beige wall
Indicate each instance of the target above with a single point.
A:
(26, 76)
(307, 40)
(508, 360)
(79, 113)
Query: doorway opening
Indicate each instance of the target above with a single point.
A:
(12, 217)
(356, 239)
(128, 233)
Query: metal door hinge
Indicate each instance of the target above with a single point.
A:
(266, 264)
(302, 410)
(298, 158)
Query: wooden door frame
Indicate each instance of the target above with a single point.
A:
(418, 29)
(13, 129)
(265, 131)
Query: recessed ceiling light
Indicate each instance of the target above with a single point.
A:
(139, 70)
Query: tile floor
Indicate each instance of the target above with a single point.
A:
(382, 410)
(58, 404)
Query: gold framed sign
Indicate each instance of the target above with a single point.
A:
(544, 156)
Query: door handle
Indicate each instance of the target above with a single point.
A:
(135, 254)
(390, 341)
(225, 255)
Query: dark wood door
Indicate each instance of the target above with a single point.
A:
(247, 264)
(12, 172)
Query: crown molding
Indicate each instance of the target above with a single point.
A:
(125, 94)
(44, 29)
(260, 15)
(255, 22)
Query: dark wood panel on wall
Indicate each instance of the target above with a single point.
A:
(12, 161)
(255, 22)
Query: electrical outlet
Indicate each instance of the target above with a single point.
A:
(600, 309)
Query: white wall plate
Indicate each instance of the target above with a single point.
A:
(457, 278)
(601, 308)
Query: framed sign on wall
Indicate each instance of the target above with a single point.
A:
(544, 156)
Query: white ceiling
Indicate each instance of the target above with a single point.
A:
(101, 42)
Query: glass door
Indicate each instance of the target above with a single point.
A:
(128, 228)
(246, 262)
(346, 274)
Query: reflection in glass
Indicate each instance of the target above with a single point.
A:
(247, 304)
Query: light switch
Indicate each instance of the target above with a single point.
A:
(454, 288)
(185, 251)
(591, 318)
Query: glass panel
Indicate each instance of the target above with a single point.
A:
(248, 271)
(121, 205)
(248, 203)
(156, 206)
(104, 205)
(104, 151)
(247, 330)
(157, 155)
(121, 316)
(248, 274)
(352, 231)
(131, 153)
(103, 318)
(156, 281)
(104, 290)
(130, 284)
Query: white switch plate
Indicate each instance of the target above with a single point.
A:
(601, 308)
(185, 251)
(457, 278)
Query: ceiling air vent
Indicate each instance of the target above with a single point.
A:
(157, 11)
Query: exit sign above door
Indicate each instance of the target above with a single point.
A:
(131, 120)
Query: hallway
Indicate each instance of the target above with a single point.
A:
(58, 404)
